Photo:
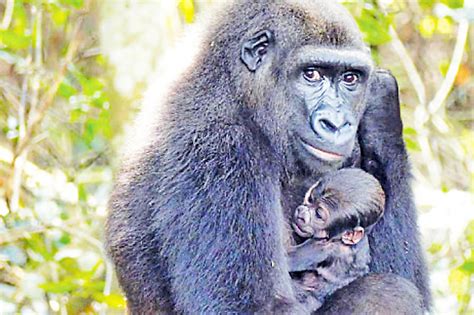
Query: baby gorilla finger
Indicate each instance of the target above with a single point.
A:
(354, 236)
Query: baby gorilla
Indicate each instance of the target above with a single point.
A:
(335, 215)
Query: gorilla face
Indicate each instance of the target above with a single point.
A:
(324, 89)
(328, 86)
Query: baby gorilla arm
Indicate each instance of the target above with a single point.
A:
(308, 254)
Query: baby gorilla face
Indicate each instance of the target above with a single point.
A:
(311, 221)
(339, 207)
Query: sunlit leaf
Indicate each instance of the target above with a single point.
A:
(444, 26)
(58, 15)
(407, 131)
(454, 4)
(470, 233)
(435, 248)
(64, 286)
(20, 18)
(187, 10)
(13, 40)
(37, 244)
(75, 3)
(458, 282)
(112, 300)
(467, 266)
(426, 4)
(411, 144)
(66, 90)
(374, 25)
(427, 26)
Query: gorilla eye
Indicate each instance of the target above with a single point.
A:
(311, 75)
(350, 78)
(319, 214)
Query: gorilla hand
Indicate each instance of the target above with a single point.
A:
(394, 241)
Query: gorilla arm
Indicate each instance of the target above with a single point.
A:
(394, 241)
(222, 227)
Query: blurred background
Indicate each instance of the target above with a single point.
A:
(72, 77)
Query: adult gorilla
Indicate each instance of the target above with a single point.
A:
(198, 216)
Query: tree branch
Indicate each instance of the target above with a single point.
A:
(409, 65)
(446, 86)
(47, 99)
(7, 18)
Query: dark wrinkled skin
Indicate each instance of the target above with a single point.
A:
(224, 165)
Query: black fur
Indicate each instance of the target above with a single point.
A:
(395, 240)
(197, 221)
(335, 254)
(375, 294)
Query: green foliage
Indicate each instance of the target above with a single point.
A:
(455, 4)
(374, 25)
(52, 230)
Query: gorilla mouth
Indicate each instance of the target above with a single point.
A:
(324, 155)
(301, 231)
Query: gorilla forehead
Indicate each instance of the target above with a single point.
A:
(319, 22)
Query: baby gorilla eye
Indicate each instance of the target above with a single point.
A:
(350, 78)
(311, 75)
(319, 213)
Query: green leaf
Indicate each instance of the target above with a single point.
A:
(75, 3)
(435, 248)
(20, 18)
(454, 4)
(468, 266)
(65, 239)
(426, 4)
(13, 40)
(112, 300)
(411, 144)
(64, 286)
(37, 244)
(408, 131)
(374, 25)
(470, 233)
(66, 90)
(70, 265)
(427, 26)
(58, 15)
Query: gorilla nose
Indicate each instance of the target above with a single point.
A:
(333, 125)
(303, 215)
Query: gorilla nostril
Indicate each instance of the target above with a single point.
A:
(347, 124)
(328, 125)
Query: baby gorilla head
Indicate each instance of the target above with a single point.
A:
(340, 205)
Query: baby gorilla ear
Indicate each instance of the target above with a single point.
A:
(354, 236)
(255, 49)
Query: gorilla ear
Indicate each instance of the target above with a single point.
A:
(254, 50)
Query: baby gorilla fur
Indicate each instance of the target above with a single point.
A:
(334, 216)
